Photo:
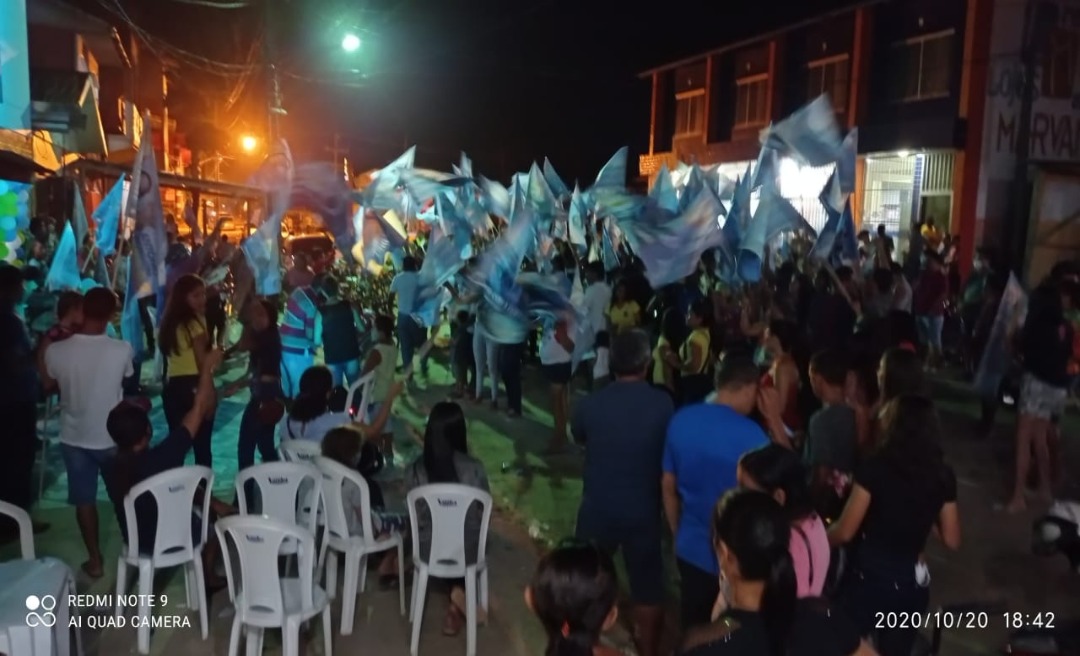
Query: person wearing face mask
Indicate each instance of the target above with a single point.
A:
(761, 613)
(701, 455)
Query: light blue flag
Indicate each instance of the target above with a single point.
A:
(107, 219)
(149, 244)
(424, 185)
(262, 253)
(540, 196)
(321, 188)
(495, 198)
(693, 184)
(465, 168)
(663, 191)
(456, 226)
(78, 218)
(845, 164)
(832, 197)
(767, 168)
(613, 174)
(555, 183)
(131, 326)
(382, 192)
(501, 326)
(262, 248)
(441, 263)
(64, 270)
(996, 358)
(101, 271)
(825, 243)
(848, 237)
(576, 219)
(811, 133)
(501, 262)
(670, 247)
(610, 252)
(773, 216)
(618, 204)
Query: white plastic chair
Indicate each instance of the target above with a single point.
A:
(290, 492)
(449, 505)
(26, 527)
(363, 385)
(174, 493)
(355, 548)
(299, 450)
(262, 597)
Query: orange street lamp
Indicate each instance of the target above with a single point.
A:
(249, 143)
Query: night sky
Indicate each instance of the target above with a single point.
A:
(508, 82)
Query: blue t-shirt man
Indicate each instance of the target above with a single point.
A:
(704, 444)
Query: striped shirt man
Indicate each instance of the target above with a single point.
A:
(301, 326)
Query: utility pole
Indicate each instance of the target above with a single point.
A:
(273, 81)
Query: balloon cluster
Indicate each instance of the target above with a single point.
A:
(14, 221)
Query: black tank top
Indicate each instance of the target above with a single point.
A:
(340, 342)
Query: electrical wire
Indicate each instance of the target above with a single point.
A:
(214, 5)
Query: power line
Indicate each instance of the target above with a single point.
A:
(214, 5)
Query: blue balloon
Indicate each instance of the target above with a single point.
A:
(22, 222)
(7, 223)
(10, 235)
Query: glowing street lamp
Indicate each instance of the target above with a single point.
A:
(350, 42)
(249, 143)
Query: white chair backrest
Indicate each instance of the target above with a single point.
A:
(299, 450)
(335, 476)
(256, 543)
(448, 504)
(26, 528)
(286, 490)
(364, 386)
(174, 493)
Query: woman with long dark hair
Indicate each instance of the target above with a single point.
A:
(779, 472)
(446, 460)
(184, 343)
(760, 613)
(262, 341)
(782, 416)
(694, 362)
(573, 594)
(901, 493)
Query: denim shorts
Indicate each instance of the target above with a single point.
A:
(83, 467)
(373, 411)
(930, 329)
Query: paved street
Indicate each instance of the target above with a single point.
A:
(537, 501)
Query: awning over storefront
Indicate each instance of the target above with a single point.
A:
(14, 166)
(212, 187)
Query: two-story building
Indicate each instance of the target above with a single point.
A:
(913, 77)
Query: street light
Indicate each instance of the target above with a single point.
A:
(350, 42)
(249, 143)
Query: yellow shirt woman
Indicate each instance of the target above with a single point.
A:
(183, 362)
(700, 338)
(624, 316)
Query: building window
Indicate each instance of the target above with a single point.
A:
(923, 67)
(829, 76)
(751, 101)
(690, 113)
(1060, 63)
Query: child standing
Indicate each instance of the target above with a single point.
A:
(381, 359)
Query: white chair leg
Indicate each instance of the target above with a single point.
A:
(254, 641)
(363, 573)
(200, 595)
(401, 576)
(290, 637)
(484, 593)
(470, 611)
(331, 574)
(234, 636)
(189, 587)
(121, 584)
(419, 594)
(348, 593)
(412, 595)
(327, 632)
(146, 588)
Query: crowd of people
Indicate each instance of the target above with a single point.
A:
(782, 434)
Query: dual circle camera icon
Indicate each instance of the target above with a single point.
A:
(46, 604)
